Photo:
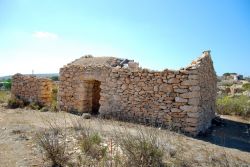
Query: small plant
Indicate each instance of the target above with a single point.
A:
(54, 149)
(246, 86)
(35, 106)
(15, 103)
(53, 106)
(141, 149)
(91, 146)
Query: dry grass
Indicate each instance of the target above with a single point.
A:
(4, 96)
(142, 148)
(54, 149)
(109, 143)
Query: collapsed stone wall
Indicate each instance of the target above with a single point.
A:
(32, 89)
(183, 99)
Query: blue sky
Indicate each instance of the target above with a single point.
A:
(44, 35)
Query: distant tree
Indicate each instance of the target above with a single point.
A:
(55, 78)
(226, 74)
(229, 73)
(7, 84)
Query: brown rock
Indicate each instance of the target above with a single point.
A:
(166, 88)
(180, 90)
(190, 95)
(181, 100)
(194, 114)
(194, 101)
(189, 82)
(173, 80)
(175, 110)
(195, 77)
(194, 88)
(189, 108)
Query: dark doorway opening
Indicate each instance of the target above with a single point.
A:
(91, 97)
(95, 96)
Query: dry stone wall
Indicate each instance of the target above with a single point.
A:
(183, 99)
(80, 87)
(32, 89)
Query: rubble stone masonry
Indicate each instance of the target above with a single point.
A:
(182, 99)
(32, 89)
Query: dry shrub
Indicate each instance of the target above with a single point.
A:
(53, 146)
(89, 140)
(52, 142)
(142, 148)
(35, 106)
(91, 146)
(53, 106)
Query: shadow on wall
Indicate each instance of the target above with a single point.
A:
(229, 134)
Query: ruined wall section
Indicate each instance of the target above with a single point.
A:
(76, 85)
(145, 96)
(184, 99)
(208, 90)
(32, 89)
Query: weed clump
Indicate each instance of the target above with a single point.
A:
(14, 103)
(246, 86)
(91, 146)
(54, 149)
(142, 148)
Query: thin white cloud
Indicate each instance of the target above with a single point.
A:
(44, 35)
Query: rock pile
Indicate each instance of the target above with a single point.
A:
(32, 89)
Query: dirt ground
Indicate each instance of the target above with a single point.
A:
(19, 126)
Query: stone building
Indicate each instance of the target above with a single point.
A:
(117, 88)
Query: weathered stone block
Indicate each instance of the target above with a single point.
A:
(166, 88)
(181, 100)
(194, 101)
(189, 82)
(189, 108)
(190, 95)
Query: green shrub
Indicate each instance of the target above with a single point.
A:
(246, 86)
(228, 74)
(237, 105)
(7, 84)
(55, 78)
